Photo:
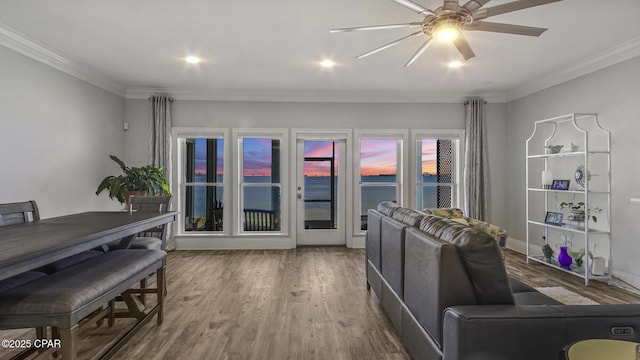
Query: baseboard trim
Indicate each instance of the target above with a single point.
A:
(516, 245)
(626, 281)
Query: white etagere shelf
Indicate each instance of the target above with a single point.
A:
(589, 147)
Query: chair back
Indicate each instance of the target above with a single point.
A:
(259, 220)
(151, 204)
(19, 212)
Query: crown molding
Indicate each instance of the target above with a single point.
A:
(313, 96)
(17, 42)
(614, 55)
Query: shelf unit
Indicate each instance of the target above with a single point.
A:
(589, 145)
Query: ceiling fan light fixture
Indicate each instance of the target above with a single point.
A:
(446, 31)
(192, 59)
(327, 63)
(454, 64)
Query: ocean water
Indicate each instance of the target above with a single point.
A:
(316, 187)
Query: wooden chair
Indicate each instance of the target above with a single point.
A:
(259, 220)
(19, 212)
(152, 239)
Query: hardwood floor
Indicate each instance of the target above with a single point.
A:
(307, 303)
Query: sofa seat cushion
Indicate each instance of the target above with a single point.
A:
(387, 207)
(20, 279)
(408, 216)
(480, 256)
(518, 286)
(534, 298)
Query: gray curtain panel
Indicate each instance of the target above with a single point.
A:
(160, 143)
(476, 163)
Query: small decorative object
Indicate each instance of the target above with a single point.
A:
(554, 149)
(564, 259)
(560, 185)
(547, 179)
(547, 251)
(580, 175)
(598, 266)
(553, 218)
(573, 147)
(578, 257)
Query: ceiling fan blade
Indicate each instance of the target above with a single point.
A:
(474, 5)
(378, 27)
(506, 28)
(509, 7)
(420, 51)
(463, 47)
(386, 46)
(415, 7)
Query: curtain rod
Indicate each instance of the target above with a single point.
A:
(467, 102)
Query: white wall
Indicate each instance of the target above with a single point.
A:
(56, 133)
(614, 94)
(324, 115)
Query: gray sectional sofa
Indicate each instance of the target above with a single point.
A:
(445, 289)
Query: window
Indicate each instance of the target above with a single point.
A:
(203, 184)
(437, 171)
(260, 184)
(379, 175)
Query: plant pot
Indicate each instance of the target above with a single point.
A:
(576, 215)
(564, 259)
(130, 193)
(547, 251)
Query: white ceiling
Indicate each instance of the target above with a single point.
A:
(270, 49)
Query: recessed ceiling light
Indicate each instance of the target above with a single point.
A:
(327, 63)
(192, 59)
(454, 64)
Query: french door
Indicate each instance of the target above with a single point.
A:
(320, 192)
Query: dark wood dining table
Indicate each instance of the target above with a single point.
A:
(27, 246)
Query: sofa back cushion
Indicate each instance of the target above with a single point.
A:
(387, 207)
(408, 216)
(373, 236)
(434, 279)
(480, 255)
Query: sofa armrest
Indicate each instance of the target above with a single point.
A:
(532, 332)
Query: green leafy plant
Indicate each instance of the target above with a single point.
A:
(578, 256)
(579, 206)
(149, 178)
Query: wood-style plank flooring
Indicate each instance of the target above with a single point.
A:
(307, 303)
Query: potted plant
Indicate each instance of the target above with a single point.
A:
(578, 211)
(134, 181)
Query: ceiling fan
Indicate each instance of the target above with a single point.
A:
(448, 21)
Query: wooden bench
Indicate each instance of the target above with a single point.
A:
(61, 300)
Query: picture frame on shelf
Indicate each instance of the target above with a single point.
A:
(553, 218)
(560, 184)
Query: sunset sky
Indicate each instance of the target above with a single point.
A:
(377, 156)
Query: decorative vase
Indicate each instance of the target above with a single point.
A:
(564, 259)
(547, 252)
